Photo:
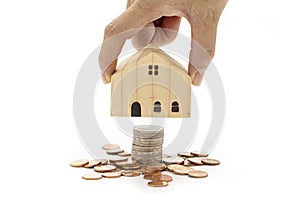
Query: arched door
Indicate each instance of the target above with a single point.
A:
(136, 109)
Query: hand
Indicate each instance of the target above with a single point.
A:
(203, 15)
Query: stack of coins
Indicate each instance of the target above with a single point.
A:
(147, 144)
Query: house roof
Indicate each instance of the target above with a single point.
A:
(151, 55)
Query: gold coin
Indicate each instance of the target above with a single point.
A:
(92, 163)
(130, 173)
(126, 154)
(157, 184)
(79, 163)
(209, 161)
(110, 146)
(182, 170)
(92, 176)
(111, 174)
(114, 151)
(171, 167)
(159, 167)
(197, 174)
(162, 177)
(199, 154)
(185, 154)
(104, 168)
(196, 161)
(118, 159)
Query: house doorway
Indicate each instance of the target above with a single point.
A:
(136, 109)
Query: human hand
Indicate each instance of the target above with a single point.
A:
(203, 15)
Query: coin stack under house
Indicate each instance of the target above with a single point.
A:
(147, 144)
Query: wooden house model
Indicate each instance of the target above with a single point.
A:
(150, 84)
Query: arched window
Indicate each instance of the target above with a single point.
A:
(175, 106)
(157, 106)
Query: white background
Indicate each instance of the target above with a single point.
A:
(42, 47)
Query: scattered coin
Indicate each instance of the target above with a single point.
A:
(92, 163)
(162, 177)
(157, 184)
(199, 154)
(79, 163)
(195, 160)
(114, 151)
(131, 167)
(103, 161)
(92, 176)
(171, 167)
(148, 177)
(185, 154)
(188, 163)
(110, 146)
(104, 168)
(130, 173)
(173, 160)
(126, 154)
(197, 174)
(118, 159)
(209, 161)
(159, 167)
(182, 170)
(146, 172)
(126, 163)
(111, 174)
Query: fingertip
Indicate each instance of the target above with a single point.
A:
(196, 79)
(106, 78)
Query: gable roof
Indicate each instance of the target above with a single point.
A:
(153, 55)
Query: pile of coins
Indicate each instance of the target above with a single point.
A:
(147, 144)
(158, 174)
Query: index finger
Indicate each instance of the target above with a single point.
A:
(120, 29)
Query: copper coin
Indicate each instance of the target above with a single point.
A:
(126, 154)
(114, 151)
(162, 177)
(188, 163)
(146, 172)
(148, 177)
(110, 146)
(171, 167)
(159, 167)
(131, 167)
(104, 168)
(103, 161)
(182, 170)
(196, 161)
(197, 174)
(92, 163)
(129, 162)
(185, 154)
(173, 160)
(111, 174)
(118, 159)
(92, 176)
(209, 161)
(157, 184)
(130, 173)
(199, 154)
(79, 163)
